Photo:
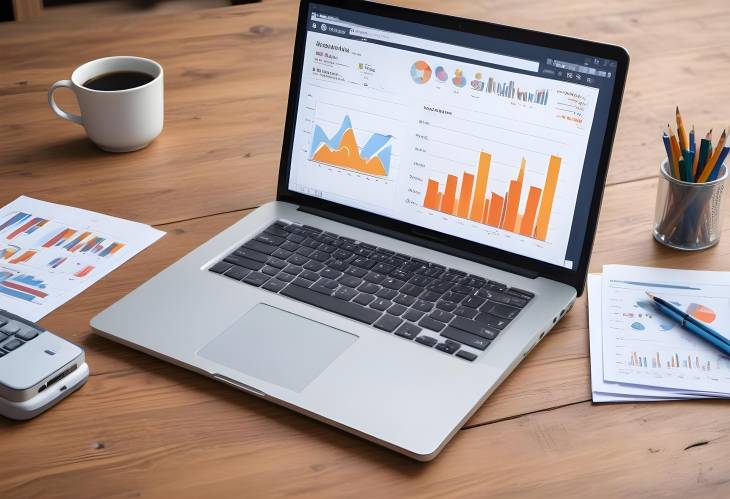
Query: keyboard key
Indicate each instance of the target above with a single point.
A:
(381, 304)
(492, 321)
(431, 324)
(237, 273)
(320, 256)
(271, 239)
(374, 277)
(314, 266)
(348, 309)
(474, 327)
(328, 283)
(338, 265)
(349, 281)
(368, 287)
(12, 344)
(344, 293)
(304, 283)
(272, 271)
(255, 245)
(465, 355)
(274, 285)
(426, 340)
(411, 289)
(293, 269)
(297, 259)
(446, 305)
(455, 297)
(500, 310)
(281, 253)
(330, 273)
(467, 312)
(290, 246)
(420, 281)
(473, 301)
(408, 331)
(400, 274)
(392, 283)
(520, 293)
(496, 285)
(413, 315)
(363, 262)
(218, 268)
(244, 262)
(397, 309)
(309, 275)
(423, 306)
(276, 262)
(405, 300)
(384, 268)
(363, 298)
(468, 339)
(386, 293)
(440, 315)
(3, 336)
(2, 322)
(431, 296)
(319, 288)
(256, 278)
(355, 271)
(304, 251)
(283, 276)
(448, 347)
(296, 238)
(276, 230)
(388, 323)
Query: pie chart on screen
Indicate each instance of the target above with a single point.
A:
(420, 72)
(441, 74)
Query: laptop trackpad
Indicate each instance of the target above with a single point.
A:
(278, 347)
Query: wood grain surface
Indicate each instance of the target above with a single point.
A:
(144, 427)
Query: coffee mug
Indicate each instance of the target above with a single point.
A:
(117, 119)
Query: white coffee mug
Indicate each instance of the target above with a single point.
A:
(118, 120)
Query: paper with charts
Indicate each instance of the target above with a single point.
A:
(643, 347)
(49, 253)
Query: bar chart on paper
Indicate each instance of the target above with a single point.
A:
(467, 198)
(49, 253)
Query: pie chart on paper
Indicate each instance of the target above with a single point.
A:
(420, 72)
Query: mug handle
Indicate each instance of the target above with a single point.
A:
(60, 112)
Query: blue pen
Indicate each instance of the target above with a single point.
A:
(668, 147)
(718, 165)
(692, 325)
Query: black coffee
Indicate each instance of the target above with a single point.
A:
(118, 80)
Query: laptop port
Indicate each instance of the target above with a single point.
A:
(57, 378)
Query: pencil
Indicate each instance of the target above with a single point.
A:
(693, 151)
(668, 147)
(716, 170)
(713, 159)
(676, 154)
(681, 132)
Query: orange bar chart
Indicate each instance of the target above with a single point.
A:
(497, 209)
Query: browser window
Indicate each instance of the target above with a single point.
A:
(492, 141)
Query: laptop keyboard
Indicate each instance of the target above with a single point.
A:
(437, 307)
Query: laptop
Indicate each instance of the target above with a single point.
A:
(438, 194)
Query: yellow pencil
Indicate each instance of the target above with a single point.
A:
(676, 154)
(713, 159)
(681, 132)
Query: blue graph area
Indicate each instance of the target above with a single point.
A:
(14, 220)
(26, 282)
(375, 146)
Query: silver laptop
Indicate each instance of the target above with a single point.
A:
(439, 189)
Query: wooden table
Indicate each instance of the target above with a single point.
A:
(141, 426)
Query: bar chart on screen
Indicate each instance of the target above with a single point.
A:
(468, 199)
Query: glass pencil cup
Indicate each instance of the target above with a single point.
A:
(688, 216)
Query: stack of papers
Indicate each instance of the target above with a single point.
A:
(49, 253)
(638, 354)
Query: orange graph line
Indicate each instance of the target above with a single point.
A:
(480, 194)
(548, 193)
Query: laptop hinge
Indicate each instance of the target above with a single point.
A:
(421, 238)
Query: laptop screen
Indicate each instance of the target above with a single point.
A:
(489, 140)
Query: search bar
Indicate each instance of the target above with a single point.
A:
(420, 43)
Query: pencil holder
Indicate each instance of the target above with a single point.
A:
(688, 215)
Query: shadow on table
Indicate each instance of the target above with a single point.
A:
(325, 434)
